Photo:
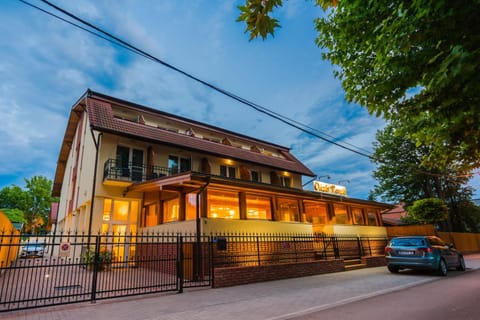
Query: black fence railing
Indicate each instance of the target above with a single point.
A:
(68, 268)
(62, 268)
(118, 170)
(257, 250)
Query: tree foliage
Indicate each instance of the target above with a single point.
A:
(14, 215)
(412, 62)
(14, 197)
(32, 203)
(401, 177)
(429, 210)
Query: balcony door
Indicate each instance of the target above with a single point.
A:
(130, 163)
(137, 165)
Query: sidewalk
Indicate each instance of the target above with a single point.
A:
(273, 300)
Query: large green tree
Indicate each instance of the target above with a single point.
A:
(401, 176)
(33, 202)
(413, 62)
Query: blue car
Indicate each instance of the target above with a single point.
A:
(422, 253)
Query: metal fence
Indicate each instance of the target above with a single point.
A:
(68, 267)
(257, 249)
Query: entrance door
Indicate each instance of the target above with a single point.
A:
(120, 228)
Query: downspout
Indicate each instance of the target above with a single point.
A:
(198, 239)
(97, 148)
(97, 144)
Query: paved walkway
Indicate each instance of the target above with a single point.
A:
(273, 300)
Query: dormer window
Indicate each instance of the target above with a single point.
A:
(190, 132)
(285, 181)
(255, 176)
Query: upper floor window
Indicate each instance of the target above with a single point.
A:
(228, 172)
(255, 176)
(178, 164)
(130, 163)
(285, 181)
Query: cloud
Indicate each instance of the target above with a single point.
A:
(46, 65)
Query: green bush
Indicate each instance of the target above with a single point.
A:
(104, 258)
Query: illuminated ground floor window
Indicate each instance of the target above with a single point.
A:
(288, 210)
(316, 212)
(171, 210)
(357, 215)
(372, 217)
(223, 204)
(341, 216)
(259, 207)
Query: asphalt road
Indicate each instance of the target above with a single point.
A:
(456, 296)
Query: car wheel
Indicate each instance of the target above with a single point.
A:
(461, 264)
(393, 269)
(442, 268)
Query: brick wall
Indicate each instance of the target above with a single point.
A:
(374, 261)
(225, 277)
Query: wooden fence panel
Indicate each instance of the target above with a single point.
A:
(465, 242)
(415, 230)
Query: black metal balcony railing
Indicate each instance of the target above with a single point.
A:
(127, 171)
(119, 170)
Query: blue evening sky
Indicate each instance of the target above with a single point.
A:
(46, 65)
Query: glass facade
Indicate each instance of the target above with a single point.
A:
(341, 216)
(287, 210)
(259, 207)
(171, 210)
(190, 206)
(358, 218)
(372, 217)
(223, 204)
(316, 212)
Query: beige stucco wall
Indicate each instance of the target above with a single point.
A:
(77, 220)
(110, 142)
(212, 226)
(222, 226)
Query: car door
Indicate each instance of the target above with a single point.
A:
(446, 251)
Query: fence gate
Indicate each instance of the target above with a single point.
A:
(68, 268)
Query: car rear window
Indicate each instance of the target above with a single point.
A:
(408, 242)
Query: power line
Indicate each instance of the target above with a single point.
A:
(119, 42)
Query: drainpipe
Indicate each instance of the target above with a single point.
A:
(198, 240)
(97, 144)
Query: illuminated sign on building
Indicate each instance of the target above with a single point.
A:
(329, 188)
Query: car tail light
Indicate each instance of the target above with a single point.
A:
(425, 250)
(388, 250)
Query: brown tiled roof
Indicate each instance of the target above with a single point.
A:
(102, 119)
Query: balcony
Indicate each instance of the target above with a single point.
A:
(122, 174)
